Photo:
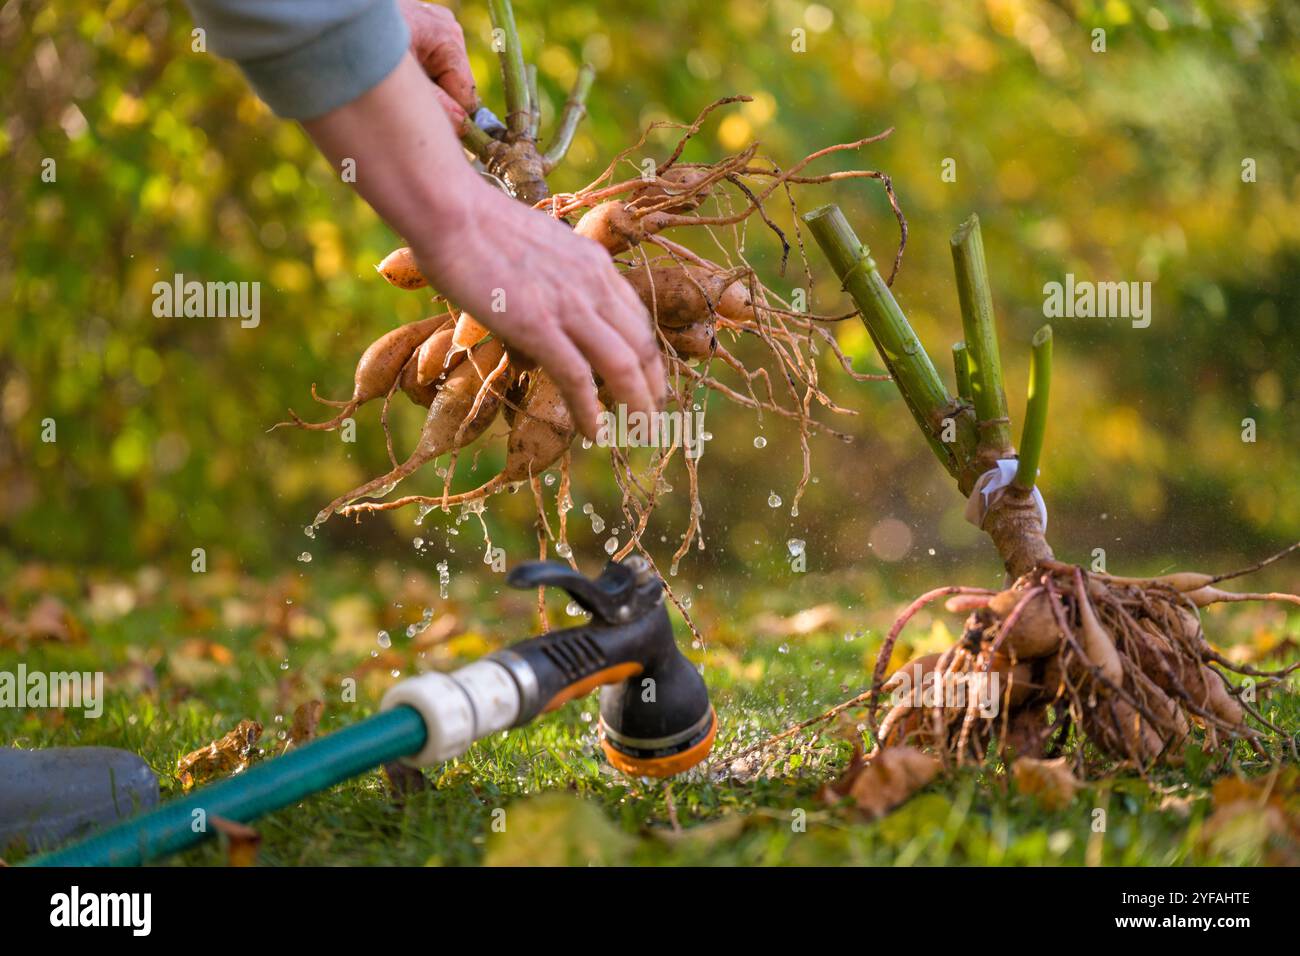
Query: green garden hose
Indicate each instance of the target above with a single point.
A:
(269, 786)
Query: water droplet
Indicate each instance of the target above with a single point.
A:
(284, 664)
(796, 546)
(597, 524)
(310, 531)
(444, 578)
(784, 648)
(305, 557)
(574, 609)
(279, 718)
(549, 480)
(686, 601)
(588, 508)
(773, 500)
(586, 443)
(563, 549)
(760, 441)
(395, 672)
(932, 552)
(418, 543)
(611, 545)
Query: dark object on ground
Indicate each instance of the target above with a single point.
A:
(50, 796)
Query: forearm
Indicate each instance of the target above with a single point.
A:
(409, 164)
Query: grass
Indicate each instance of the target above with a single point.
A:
(187, 658)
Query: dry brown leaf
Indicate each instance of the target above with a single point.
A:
(306, 718)
(404, 780)
(806, 621)
(1256, 819)
(1050, 781)
(242, 841)
(231, 754)
(886, 781)
(50, 620)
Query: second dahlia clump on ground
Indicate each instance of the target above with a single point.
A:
(1064, 660)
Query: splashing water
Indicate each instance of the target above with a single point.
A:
(426, 618)
(444, 578)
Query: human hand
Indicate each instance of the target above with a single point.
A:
(551, 295)
(438, 45)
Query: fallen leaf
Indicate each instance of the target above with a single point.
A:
(242, 841)
(710, 834)
(1256, 820)
(404, 780)
(886, 781)
(1050, 781)
(231, 754)
(306, 718)
(555, 829)
(807, 621)
(50, 620)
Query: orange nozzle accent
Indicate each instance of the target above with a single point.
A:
(610, 675)
(666, 766)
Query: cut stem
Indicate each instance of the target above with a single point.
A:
(987, 393)
(1040, 388)
(575, 108)
(514, 80)
(900, 350)
(961, 370)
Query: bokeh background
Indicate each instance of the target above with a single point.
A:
(1123, 165)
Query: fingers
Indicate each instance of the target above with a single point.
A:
(628, 316)
(572, 374)
(622, 369)
(439, 44)
(454, 111)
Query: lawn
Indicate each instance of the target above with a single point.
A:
(188, 656)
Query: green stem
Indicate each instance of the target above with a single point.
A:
(961, 370)
(575, 108)
(476, 141)
(987, 393)
(900, 350)
(513, 78)
(534, 102)
(1040, 389)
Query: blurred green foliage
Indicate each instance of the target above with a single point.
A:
(1123, 165)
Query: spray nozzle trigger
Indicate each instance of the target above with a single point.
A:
(624, 590)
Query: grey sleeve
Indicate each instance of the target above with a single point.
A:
(306, 57)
